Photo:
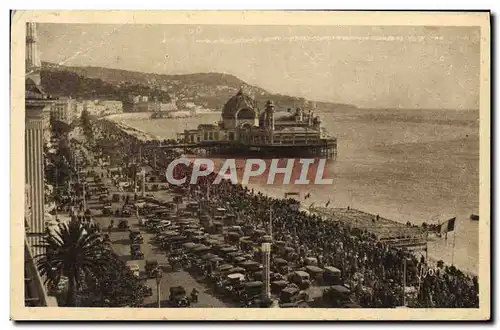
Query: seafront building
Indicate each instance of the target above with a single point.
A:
(37, 112)
(144, 103)
(62, 110)
(76, 110)
(108, 107)
(137, 103)
(244, 127)
(67, 110)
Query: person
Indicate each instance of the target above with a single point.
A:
(194, 295)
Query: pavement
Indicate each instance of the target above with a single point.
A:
(121, 245)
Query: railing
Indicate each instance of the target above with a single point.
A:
(35, 294)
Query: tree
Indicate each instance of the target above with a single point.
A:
(72, 252)
(114, 286)
(59, 128)
(57, 168)
(86, 123)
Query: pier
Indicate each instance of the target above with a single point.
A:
(319, 148)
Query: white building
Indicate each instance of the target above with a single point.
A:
(77, 108)
(100, 109)
(159, 107)
(62, 110)
(111, 106)
(89, 106)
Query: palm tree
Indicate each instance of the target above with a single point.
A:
(71, 252)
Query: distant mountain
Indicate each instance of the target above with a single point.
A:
(210, 90)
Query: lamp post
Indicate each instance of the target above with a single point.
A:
(84, 197)
(158, 275)
(143, 190)
(266, 256)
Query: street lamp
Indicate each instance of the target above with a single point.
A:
(158, 275)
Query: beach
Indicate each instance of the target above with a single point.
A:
(406, 165)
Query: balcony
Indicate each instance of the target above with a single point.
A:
(34, 290)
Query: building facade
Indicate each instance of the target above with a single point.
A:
(76, 110)
(111, 106)
(89, 106)
(37, 110)
(245, 128)
(37, 106)
(242, 121)
(62, 110)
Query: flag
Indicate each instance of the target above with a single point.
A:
(327, 203)
(448, 225)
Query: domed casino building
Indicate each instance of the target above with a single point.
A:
(245, 128)
(240, 111)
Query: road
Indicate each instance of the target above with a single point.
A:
(121, 245)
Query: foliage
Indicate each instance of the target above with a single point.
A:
(59, 128)
(114, 286)
(86, 124)
(96, 275)
(71, 252)
(57, 168)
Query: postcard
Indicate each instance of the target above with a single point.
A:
(237, 165)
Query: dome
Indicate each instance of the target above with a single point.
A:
(238, 102)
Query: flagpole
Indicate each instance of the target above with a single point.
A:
(404, 281)
(426, 246)
(453, 249)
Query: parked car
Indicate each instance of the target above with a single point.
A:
(123, 224)
(135, 270)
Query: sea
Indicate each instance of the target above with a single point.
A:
(405, 165)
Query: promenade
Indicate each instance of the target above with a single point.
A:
(121, 245)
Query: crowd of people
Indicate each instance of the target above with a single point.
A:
(374, 271)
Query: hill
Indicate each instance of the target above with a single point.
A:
(210, 90)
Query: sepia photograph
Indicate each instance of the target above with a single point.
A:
(234, 165)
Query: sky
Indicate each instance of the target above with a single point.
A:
(371, 67)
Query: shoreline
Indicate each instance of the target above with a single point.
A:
(432, 258)
(141, 135)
